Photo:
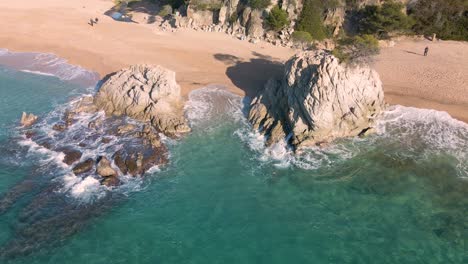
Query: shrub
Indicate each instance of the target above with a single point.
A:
(259, 4)
(302, 37)
(165, 11)
(447, 18)
(358, 49)
(206, 4)
(277, 18)
(381, 20)
(311, 20)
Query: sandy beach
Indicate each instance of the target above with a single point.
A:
(438, 81)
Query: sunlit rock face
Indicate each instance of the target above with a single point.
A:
(147, 93)
(317, 100)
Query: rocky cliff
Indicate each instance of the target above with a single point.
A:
(317, 100)
(147, 93)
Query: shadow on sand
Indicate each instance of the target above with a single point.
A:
(412, 52)
(250, 76)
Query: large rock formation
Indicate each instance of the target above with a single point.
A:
(147, 93)
(317, 100)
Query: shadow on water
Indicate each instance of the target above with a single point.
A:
(250, 76)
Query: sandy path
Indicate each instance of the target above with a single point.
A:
(200, 58)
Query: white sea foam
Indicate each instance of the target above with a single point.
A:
(210, 102)
(85, 190)
(427, 132)
(48, 64)
(422, 132)
(38, 72)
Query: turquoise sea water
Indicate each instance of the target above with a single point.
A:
(396, 197)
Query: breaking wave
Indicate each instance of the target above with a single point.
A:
(418, 133)
(48, 64)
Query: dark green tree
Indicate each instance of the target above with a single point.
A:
(447, 18)
(277, 18)
(258, 4)
(311, 19)
(384, 19)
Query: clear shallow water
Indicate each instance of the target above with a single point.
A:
(396, 197)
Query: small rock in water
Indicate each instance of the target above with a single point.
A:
(106, 140)
(71, 155)
(104, 168)
(95, 124)
(124, 129)
(59, 127)
(30, 133)
(110, 181)
(28, 119)
(83, 167)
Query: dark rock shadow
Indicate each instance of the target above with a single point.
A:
(103, 80)
(250, 76)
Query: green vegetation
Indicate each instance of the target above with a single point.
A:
(357, 49)
(206, 4)
(165, 11)
(302, 37)
(384, 19)
(447, 18)
(311, 19)
(258, 4)
(277, 19)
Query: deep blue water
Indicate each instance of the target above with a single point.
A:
(396, 197)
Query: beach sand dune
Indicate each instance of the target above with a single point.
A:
(438, 81)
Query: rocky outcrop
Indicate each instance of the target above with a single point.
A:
(104, 168)
(317, 100)
(83, 167)
(146, 93)
(28, 119)
(254, 24)
(201, 17)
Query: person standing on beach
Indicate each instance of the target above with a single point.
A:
(426, 50)
(91, 22)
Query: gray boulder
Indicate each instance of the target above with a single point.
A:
(147, 93)
(317, 100)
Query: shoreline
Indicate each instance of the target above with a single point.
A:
(199, 59)
(393, 98)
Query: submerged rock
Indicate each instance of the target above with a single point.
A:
(28, 119)
(71, 155)
(147, 93)
(317, 100)
(60, 127)
(83, 167)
